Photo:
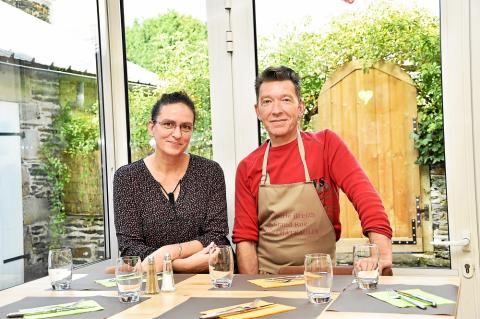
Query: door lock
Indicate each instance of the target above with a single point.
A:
(468, 269)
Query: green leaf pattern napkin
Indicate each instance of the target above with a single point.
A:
(387, 296)
(64, 309)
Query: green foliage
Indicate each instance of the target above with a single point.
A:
(382, 32)
(141, 100)
(75, 132)
(175, 47)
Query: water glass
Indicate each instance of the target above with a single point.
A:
(318, 277)
(60, 268)
(365, 265)
(128, 273)
(220, 266)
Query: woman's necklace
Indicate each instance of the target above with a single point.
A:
(171, 195)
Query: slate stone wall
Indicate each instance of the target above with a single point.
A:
(39, 93)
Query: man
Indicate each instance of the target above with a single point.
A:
(286, 191)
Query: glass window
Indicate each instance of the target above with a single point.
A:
(51, 187)
(166, 44)
(371, 72)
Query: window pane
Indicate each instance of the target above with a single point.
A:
(371, 72)
(51, 187)
(166, 45)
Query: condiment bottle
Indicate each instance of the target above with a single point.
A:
(168, 284)
(152, 280)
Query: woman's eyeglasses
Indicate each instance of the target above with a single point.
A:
(171, 125)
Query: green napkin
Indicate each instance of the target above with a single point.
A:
(387, 296)
(63, 309)
(111, 282)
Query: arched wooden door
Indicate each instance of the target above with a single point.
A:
(374, 112)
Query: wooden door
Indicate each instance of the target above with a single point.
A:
(374, 112)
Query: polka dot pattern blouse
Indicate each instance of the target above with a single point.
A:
(145, 220)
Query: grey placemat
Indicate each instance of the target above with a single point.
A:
(357, 300)
(97, 267)
(240, 283)
(111, 305)
(88, 282)
(192, 307)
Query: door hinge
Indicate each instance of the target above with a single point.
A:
(229, 40)
(415, 124)
(421, 211)
(228, 32)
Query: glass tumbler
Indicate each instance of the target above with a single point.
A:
(365, 265)
(318, 277)
(60, 268)
(220, 266)
(128, 274)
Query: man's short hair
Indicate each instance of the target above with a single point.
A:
(278, 73)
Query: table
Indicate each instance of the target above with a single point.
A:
(199, 286)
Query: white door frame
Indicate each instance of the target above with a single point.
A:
(461, 87)
(460, 54)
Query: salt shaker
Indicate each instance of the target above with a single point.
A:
(168, 284)
(152, 281)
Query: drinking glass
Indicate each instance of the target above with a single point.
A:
(128, 273)
(365, 265)
(60, 268)
(318, 277)
(220, 266)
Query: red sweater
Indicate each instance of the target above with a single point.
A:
(331, 166)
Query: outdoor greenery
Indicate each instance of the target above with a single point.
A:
(173, 46)
(75, 133)
(382, 32)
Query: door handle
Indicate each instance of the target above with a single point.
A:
(464, 242)
(9, 260)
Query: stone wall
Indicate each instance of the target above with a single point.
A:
(38, 101)
(39, 94)
(440, 213)
(85, 237)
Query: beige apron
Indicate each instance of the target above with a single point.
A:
(292, 221)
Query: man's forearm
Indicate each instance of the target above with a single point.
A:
(385, 248)
(247, 257)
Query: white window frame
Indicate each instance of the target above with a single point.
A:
(114, 100)
(232, 74)
(235, 127)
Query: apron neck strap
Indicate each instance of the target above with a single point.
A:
(301, 149)
(265, 180)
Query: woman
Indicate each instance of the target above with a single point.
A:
(171, 201)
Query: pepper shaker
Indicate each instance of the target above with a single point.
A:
(152, 280)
